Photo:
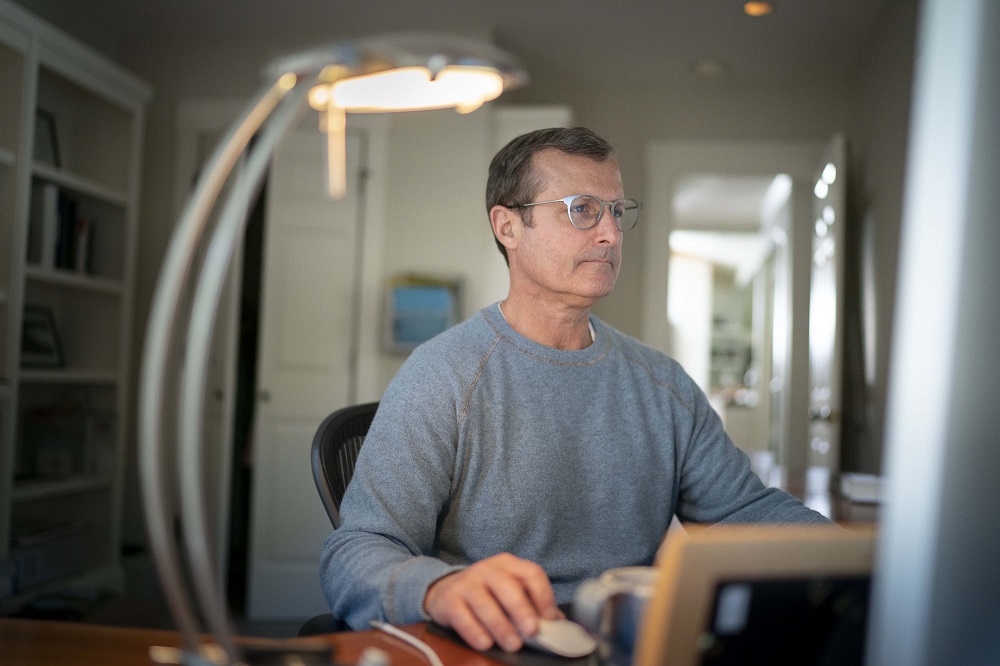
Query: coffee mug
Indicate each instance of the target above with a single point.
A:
(611, 607)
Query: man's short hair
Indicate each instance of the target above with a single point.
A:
(512, 181)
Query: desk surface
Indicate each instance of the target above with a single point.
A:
(47, 643)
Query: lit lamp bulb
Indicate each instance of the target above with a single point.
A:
(463, 88)
(336, 151)
(411, 88)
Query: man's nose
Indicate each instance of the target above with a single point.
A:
(606, 229)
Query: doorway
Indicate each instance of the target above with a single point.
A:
(672, 164)
(721, 298)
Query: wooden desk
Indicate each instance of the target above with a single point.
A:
(47, 643)
(819, 494)
(836, 507)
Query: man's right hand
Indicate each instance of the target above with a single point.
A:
(496, 600)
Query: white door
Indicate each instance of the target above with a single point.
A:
(304, 367)
(826, 309)
(200, 127)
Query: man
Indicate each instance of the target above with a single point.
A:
(533, 446)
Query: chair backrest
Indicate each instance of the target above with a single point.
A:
(335, 448)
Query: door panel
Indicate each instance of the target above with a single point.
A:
(289, 520)
(304, 368)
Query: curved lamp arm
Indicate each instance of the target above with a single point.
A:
(157, 355)
(205, 304)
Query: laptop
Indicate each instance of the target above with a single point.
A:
(770, 594)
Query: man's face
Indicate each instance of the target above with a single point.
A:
(554, 259)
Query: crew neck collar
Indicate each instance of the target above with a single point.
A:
(590, 324)
(589, 354)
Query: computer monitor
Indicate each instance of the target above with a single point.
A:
(759, 594)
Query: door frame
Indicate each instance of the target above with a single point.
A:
(197, 117)
(666, 163)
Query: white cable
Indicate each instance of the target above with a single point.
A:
(424, 648)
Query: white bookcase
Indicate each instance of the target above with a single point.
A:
(71, 128)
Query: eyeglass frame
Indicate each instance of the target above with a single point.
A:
(600, 213)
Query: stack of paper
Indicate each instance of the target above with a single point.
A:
(862, 487)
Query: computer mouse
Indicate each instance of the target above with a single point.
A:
(564, 638)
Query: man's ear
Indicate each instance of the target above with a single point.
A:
(504, 221)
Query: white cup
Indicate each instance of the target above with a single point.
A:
(611, 607)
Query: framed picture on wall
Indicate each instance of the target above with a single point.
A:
(418, 308)
(40, 346)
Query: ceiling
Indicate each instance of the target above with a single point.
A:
(710, 202)
(720, 219)
(614, 41)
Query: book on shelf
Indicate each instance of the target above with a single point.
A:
(81, 241)
(44, 224)
(66, 237)
(61, 237)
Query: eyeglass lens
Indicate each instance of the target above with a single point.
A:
(584, 211)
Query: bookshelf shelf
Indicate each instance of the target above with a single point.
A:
(91, 577)
(78, 184)
(66, 278)
(77, 376)
(25, 491)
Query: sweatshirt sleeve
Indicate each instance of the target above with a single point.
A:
(716, 482)
(378, 563)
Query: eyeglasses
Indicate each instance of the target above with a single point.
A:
(585, 210)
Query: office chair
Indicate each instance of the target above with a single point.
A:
(335, 448)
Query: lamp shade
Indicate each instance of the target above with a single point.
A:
(397, 72)
(400, 50)
(405, 72)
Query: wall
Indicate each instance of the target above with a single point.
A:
(689, 313)
(877, 136)
(436, 219)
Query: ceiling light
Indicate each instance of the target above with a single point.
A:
(828, 215)
(413, 88)
(829, 173)
(709, 69)
(757, 8)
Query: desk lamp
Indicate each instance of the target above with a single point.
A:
(401, 72)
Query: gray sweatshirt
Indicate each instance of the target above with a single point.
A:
(486, 442)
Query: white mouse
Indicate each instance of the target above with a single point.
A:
(563, 638)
